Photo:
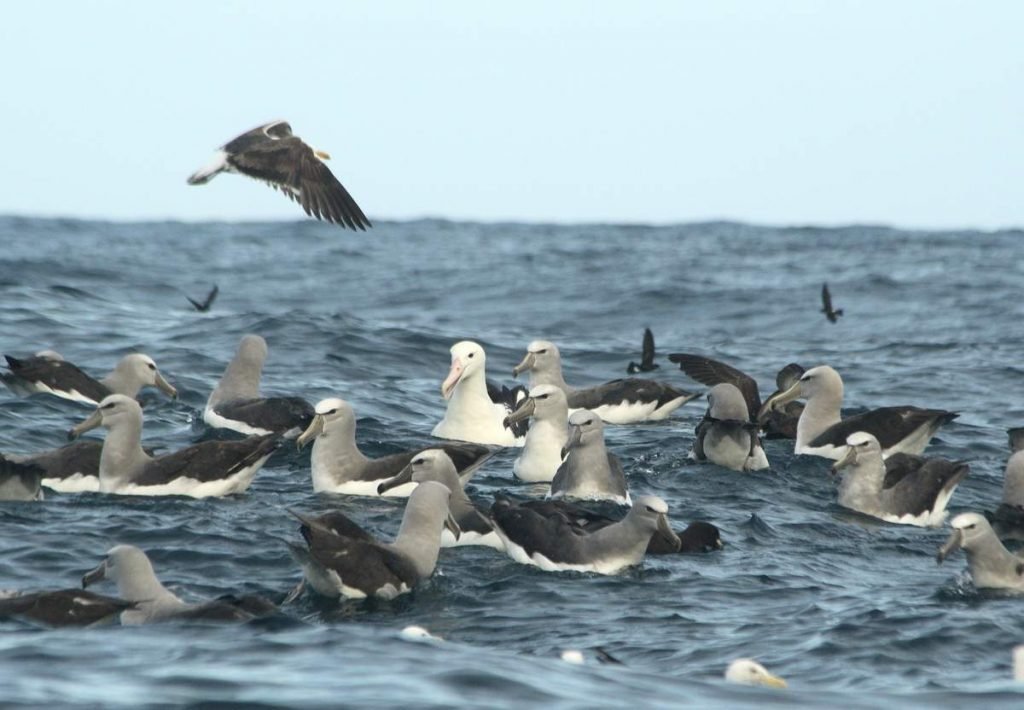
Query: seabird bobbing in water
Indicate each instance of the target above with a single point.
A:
(548, 410)
(435, 465)
(47, 372)
(20, 481)
(137, 583)
(746, 671)
(647, 363)
(726, 436)
(64, 607)
(236, 404)
(821, 430)
(588, 470)
(340, 467)
(344, 561)
(1008, 519)
(209, 468)
(272, 154)
(553, 545)
(624, 401)
(477, 410)
(826, 305)
(906, 489)
(992, 566)
(779, 423)
(72, 468)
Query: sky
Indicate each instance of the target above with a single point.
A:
(906, 113)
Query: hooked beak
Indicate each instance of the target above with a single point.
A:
(951, 545)
(166, 387)
(454, 375)
(526, 364)
(575, 436)
(315, 429)
(96, 575)
(452, 526)
(525, 411)
(95, 419)
(668, 533)
(773, 681)
(322, 154)
(777, 401)
(848, 459)
(404, 476)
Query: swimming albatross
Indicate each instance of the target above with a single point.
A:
(47, 372)
(746, 671)
(779, 423)
(209, 468)
(588, 470)
(623, 401)
(137, 583)
(340, 467)
(726, 436)
(906, 489)
(64, 607)
(475, 526)
(992, 566)
(272, 154)
(548, 412)
(1008, 518)
(553, 545)
(822, 431)
(236, 403)
(342, 560)
(477, 410)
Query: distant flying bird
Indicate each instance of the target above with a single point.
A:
(826, 305)
(272, 154)
(647, 363)
(204, 306)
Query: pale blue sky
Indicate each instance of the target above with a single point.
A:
(908, 113)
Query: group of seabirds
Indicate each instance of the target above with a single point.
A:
(558, 430)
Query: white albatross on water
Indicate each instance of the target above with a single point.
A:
(476, 410)
(822, 431)
(209, 468)
(623, 401)
(272, 154)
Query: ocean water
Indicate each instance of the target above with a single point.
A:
(851, 611)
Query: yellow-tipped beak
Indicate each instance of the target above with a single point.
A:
(322, 154)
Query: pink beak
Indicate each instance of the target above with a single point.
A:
(448, 386)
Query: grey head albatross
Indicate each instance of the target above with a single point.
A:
(48, 373)
(273, 154)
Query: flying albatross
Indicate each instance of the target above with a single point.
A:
(209, 468)
(236, 403)
(271, 153)
(548, 412)
(726, 436)
(150, 601)
(477, 410)
(910, 490)
(340, 559)
(624, 401)
(821, 430)
(340, 467)
(47, 372)
(779, 423)
(992, 566)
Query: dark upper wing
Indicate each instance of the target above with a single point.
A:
(269, 413)
(205, 305)
(333, 522)
(647, 356)
(630, 389)
(826, 300)
(57, 374)
(208, 460)
(917, 491)
(787, 377)
(64, 607)
(889, 425)
(510, 397)
(898, 466)
(364, 565)
(551, 535)
(712, 372)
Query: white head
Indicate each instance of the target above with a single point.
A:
(747, 671)
(129, 568)
(860, 447)
(332, 414)
(971, 531)
(468, 360)
(114, 410)
(541, 355)
(142, 369)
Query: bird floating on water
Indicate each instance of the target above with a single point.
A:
(271, 153)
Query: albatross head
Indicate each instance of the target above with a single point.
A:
(143, 369)
(746, 671)
(725, 401)
(131, 570)
(860, 446)
(544, 401)
(429, 465)
(111, 411)
(330, 414)
(541, 355)
(822, 380)
(585, 427)
(970, 531)
(468, 358)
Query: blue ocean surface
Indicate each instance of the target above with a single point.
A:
(853, 612)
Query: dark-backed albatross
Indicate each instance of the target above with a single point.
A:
(340, 467)
(63, 607)
(49, 373)
(548, 412)
(236, 403)
(726, 436)
(589, 471)
(341, 560)
(272, 154)
(624, 401)
(822, 431)
(905, 489)
(209, 468)
(991, 565)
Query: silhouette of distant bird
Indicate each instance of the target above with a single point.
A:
(647, 363)
(204, 306)
(272, 154)
(826, 305)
